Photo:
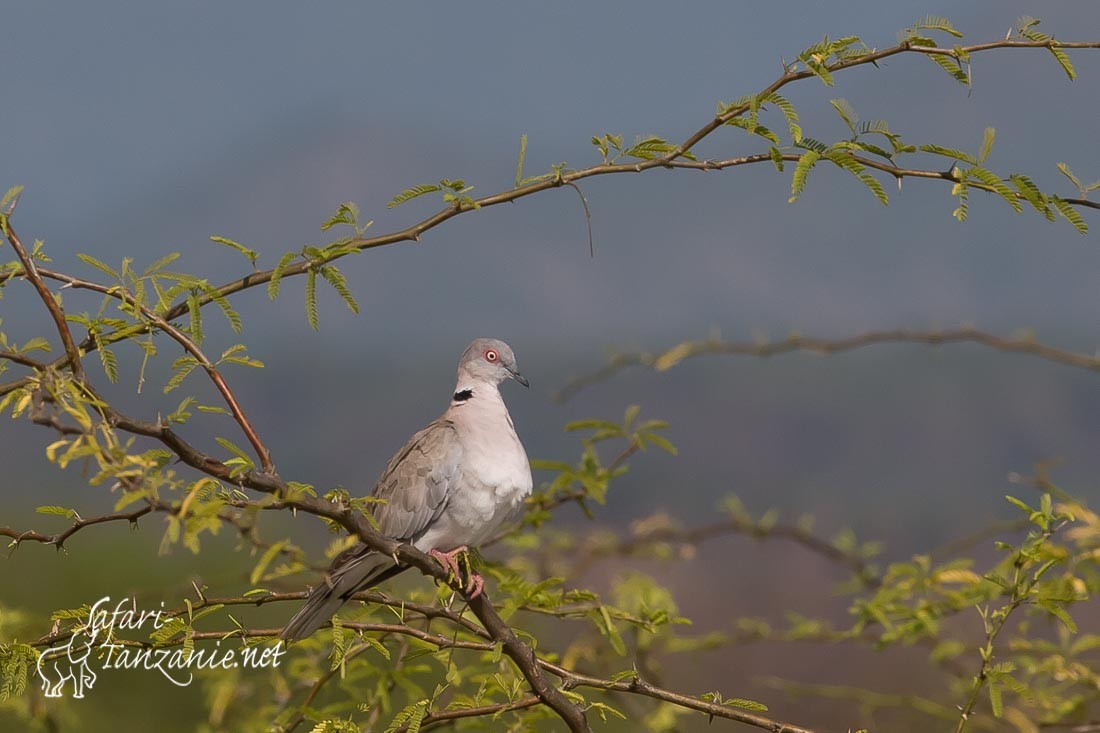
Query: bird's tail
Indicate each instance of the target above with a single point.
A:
(353, 570)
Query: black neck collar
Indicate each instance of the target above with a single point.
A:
(463, 395)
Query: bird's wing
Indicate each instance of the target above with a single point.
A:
(418, 481)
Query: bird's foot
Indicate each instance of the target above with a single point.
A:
(449, 560)
(475, 584)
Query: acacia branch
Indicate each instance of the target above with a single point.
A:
(160, 323)
(669, 160)
(518, 651)
(58, 538)
(570, 679)
(673, 159)
(743, 525)
(57, 313)
(824, 346)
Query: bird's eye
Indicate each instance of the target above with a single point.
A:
(490, 355)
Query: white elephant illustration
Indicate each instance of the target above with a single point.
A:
(68, 662)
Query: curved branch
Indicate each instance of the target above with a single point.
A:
(669, 160)
(672, 159)
(747, 526)
(57, 313)
(59, 538)
(518, 651)
(712, 347)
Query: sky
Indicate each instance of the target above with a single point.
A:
(140, 129)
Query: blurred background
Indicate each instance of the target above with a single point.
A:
(141, 129)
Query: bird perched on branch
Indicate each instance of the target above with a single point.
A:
(450, 488)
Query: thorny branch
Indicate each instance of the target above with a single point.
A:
(641, 540)
(825, 346)
(52, 305)
(672, 159)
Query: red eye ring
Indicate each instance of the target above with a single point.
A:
(491, 355)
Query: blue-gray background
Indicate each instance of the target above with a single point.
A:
(144, 128)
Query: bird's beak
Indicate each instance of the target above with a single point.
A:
(519, 377)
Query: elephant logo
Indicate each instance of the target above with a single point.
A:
(68, 663)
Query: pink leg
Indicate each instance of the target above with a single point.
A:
(475, 584)
(447, 559)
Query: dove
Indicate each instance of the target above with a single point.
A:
(452, 486)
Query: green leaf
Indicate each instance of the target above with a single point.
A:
(755, 129)
(58, 510)
(38, 343)
(1063, 60)
(611, 632)
(937, 23)
(660, 441)
(411, 193)
(1061, 614)
(195, 311)
(265, 559)
(336, 279)
(232, 449)
(652, 147)
(106, 358)
(1032, 194)
(1027, 27)
(962, 190)
(953, 66)
(987, 144)
(277, 274)
(995, 701)
(994, 181)
(1070, 214)
(410, 718)
(740, 702)
(801, 171)
(1064, 169)
(777, 158)
(10, 200)
(818, 68)
(250, 254)
(161, 263)
(99, 265)
(347, 213)
(952, 153)
(789, 113)
(227, 310)
(858, 170)
(522, 158)
(311, 299)
(846, 112)
(182, 366)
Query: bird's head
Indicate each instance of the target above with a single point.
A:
(489, 360)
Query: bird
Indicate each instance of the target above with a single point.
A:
(452, 486)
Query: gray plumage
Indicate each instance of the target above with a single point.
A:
(455, 483)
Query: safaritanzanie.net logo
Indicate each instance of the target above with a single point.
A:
(69, 665)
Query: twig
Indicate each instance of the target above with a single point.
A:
(735, 525)
(672, 159)
(57, 313)
(824, 346)
(587, 218)
(58, 539)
